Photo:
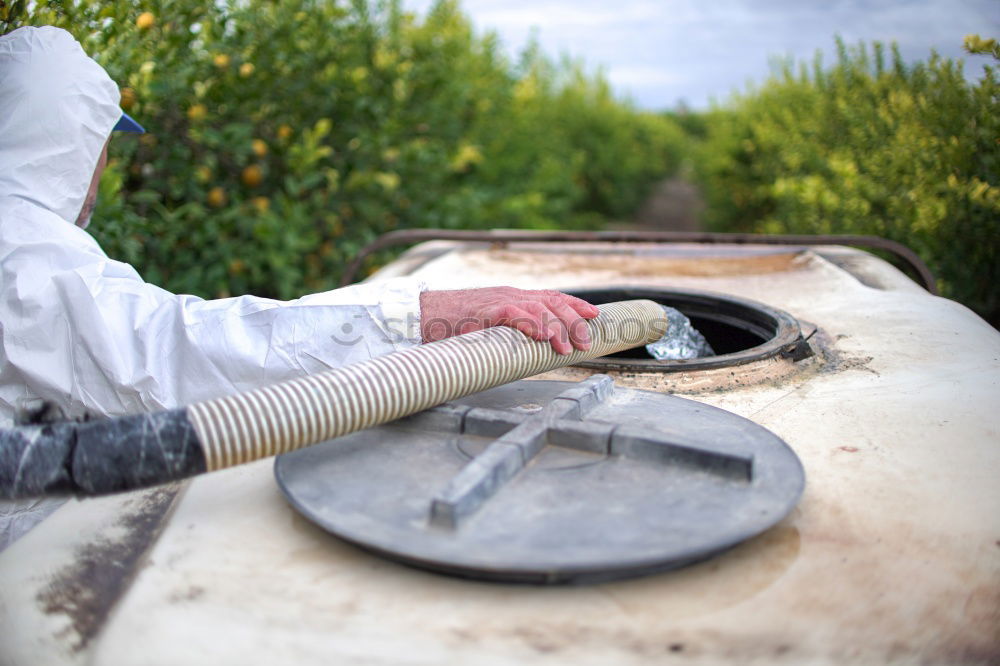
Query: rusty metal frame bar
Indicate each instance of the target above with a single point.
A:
(503, 236)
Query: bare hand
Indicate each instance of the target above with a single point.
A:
(541, 315)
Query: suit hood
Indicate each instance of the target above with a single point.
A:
(57, 109)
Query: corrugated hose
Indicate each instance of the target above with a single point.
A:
(141, 450)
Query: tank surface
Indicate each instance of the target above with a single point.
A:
(892, 556)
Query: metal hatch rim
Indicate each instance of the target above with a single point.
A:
(786, 332)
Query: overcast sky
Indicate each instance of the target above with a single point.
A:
(661, 51)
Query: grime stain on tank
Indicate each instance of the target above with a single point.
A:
(86, 590)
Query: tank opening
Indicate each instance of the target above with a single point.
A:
(739, 330)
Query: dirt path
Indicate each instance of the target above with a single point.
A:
(674, 205)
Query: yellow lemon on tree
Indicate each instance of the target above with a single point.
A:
(262, 204)
(145, 21)
(221, 60)
(252, 176)
(284, 132)
(246, 69)
(259, 147)
(197, 112)
(216, 197)
(203, 174)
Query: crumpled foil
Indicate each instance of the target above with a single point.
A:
(682, 340)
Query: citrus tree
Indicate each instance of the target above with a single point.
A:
(283, 135)
(869, 146)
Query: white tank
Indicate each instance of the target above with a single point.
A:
(892, 555)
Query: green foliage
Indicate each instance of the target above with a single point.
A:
(910, 153)
(976, 45)
(283, 135)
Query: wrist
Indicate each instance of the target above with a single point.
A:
(430, 315)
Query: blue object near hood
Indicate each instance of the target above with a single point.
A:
(127, 124)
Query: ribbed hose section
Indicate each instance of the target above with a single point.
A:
(304, 411)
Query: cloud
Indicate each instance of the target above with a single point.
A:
(641, 76)
(568, 15)
(664, 50)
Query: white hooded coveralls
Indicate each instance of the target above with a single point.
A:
(85, 331)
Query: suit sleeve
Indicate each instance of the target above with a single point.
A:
(88, 333)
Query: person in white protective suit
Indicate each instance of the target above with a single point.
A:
(84, 332)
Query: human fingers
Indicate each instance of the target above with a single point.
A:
(580, 306)
(558, 331)
(527, 320)
(573, 323)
